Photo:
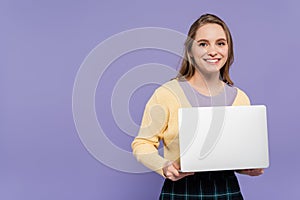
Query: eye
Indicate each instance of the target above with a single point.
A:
(221, 43)
(202, 44)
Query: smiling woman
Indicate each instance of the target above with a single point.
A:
(210, 50)
(203, 80)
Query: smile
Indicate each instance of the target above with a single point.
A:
(212, 60)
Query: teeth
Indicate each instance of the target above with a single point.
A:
(212, 61)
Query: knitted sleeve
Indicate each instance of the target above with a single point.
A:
(241, 99)
(145, 145)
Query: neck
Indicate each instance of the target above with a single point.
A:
(208, 84)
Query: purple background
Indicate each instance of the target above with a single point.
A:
(43, 44)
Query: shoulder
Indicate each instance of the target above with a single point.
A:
(171, 94)
(170, 85)
(169, 89)
(241, 98)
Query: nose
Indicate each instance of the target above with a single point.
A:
(211, 51)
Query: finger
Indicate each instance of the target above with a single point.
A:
(176, 165)
(243, 171)
(166, 169)
(174, 170)
(182, 175)
(260, 171)
(171, 171)
(256, 172)
(187, 174)
(170, 174)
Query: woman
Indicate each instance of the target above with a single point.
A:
(203, 80)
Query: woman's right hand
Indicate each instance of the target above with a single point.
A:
(171, 171)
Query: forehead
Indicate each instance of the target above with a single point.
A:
(210, 32)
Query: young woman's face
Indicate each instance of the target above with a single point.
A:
(210, 49)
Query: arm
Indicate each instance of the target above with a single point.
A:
(155, 123)
(145, 145)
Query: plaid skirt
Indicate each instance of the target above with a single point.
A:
(218, 185)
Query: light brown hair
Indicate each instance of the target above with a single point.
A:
(187, 69)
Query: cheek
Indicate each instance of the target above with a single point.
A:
(224, 52)
(198, 52)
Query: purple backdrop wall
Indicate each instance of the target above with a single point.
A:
(43, 44)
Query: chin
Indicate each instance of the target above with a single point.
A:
(213, 69)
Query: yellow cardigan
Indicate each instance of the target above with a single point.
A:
(160, 122)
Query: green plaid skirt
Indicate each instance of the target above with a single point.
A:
(219, 185)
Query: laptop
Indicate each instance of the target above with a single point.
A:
(223, 138)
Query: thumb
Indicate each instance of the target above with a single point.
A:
(176, 165)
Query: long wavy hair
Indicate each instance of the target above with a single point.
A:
(187, 70)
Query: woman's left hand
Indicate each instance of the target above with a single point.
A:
(251, 172)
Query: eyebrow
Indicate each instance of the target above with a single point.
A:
(205, 40)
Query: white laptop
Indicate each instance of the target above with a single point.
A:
(223, 138)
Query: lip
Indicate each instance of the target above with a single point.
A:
(212, 60)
